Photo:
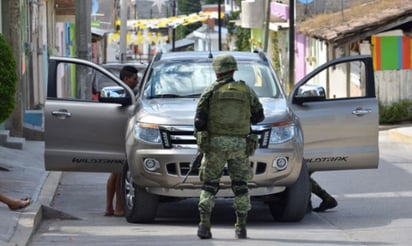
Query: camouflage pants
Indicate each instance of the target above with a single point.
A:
(318, 190)
(222, 150)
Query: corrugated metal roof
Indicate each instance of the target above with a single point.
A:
(358, 22)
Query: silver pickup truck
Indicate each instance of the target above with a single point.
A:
(329, 121)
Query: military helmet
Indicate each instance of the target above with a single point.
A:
(224, 63)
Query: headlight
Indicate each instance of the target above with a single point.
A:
(147, 132)
(282, 132)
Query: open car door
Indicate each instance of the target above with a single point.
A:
(84, 133)
(339, 113)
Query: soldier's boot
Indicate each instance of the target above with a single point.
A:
(327, 203)
(203, 231)
(240, 226)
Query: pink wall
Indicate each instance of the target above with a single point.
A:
(300, 56)
(279, 10)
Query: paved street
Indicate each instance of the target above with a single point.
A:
(371, 211)
(370, 205)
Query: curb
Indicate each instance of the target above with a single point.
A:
(401, 134)
(29, 221)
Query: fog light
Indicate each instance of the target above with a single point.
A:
(151, 164)
(280, 163)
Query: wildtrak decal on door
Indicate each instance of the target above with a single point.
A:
(97, 161)
(328, 159)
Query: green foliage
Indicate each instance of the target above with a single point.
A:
(8, 79)
(242, 42)
(275, 48)
(211, 1)
(231, 27)
(242, 35)
(187, 7)
(183, 31)
(395, 113)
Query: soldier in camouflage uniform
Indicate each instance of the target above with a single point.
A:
(223, 120)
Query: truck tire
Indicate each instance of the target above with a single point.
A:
(293, 202)
(139, 206)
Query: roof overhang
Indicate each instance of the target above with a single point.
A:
(370, 22)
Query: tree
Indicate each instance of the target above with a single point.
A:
(13, 34)
(186, 7)
(241, 35)
(8, 79)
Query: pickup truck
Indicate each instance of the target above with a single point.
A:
(328, 121)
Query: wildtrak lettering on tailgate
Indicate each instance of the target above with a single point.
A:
(328, 159)
(98, 161)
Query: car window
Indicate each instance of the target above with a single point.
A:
(101, 81)
(258, 76)
(338, 83)
(76, 81)
(180, 79)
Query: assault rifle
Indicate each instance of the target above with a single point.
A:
(195, 164)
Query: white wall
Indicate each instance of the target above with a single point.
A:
(393, 86)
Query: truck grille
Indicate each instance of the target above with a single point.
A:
(181, 169)
(182, 136)
(178, 137)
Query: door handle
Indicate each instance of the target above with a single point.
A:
(361, 112)
(62, 114)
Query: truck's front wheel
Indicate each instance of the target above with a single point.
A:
(139, 205)
(293, 202)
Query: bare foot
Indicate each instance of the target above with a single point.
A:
(119, 213)
(108, 212)
(20, 204)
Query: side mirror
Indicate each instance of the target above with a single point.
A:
(112, 91)
(114, 94)
(309, 93)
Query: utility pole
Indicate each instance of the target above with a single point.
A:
(83, 89)
(219, 2)
(123, 30)
(83, 29)
(173, 28)
(291, 45)
(266, 27)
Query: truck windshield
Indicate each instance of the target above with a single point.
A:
(189, 79)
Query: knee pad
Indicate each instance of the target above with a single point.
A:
(211, 187)
(239, 187)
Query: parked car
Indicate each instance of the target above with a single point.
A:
(149, 136)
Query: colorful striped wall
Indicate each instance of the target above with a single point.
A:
(392, 52)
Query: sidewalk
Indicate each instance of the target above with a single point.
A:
(402, 134)
(24, 175)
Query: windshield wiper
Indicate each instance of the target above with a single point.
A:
(192, 95)
(175, 96)
(165, 96)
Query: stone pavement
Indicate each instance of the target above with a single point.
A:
(22, 174)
